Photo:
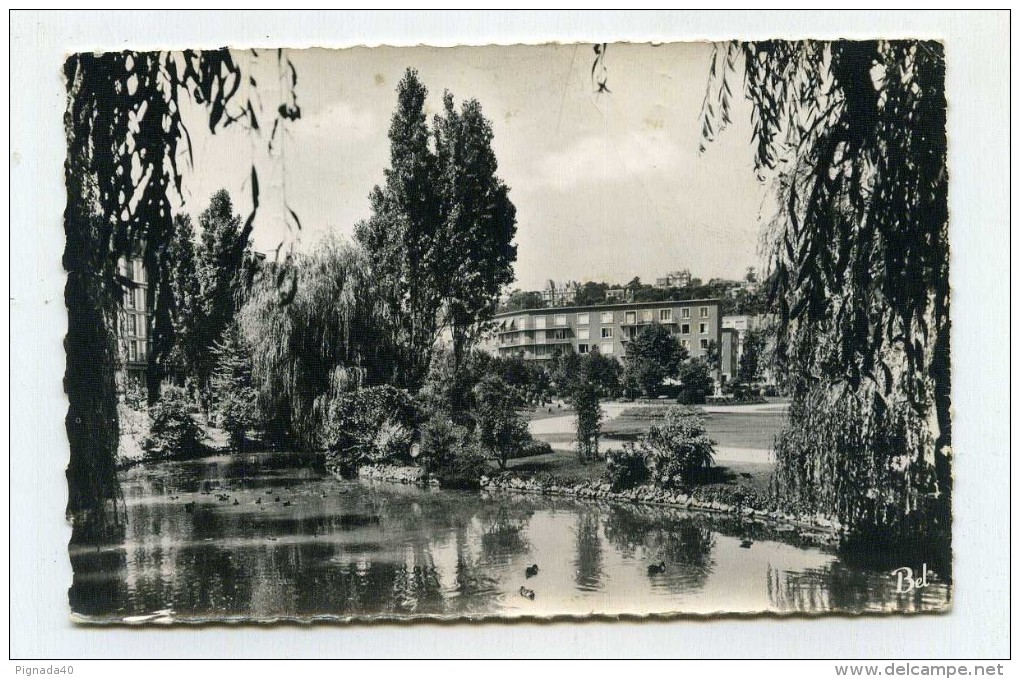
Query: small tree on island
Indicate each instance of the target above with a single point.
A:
(588, 417)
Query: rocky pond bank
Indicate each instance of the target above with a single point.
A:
(817, 530)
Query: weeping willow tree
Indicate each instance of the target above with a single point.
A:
(334, 335)
(126, 138)
(852, 136)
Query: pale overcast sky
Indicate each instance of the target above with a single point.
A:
(607, 187)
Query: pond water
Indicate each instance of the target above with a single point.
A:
(334, 548)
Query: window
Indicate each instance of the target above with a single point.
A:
(703, 328)
(557, 334)
(704, 343)
(607, 333)
(540, 336)
(129, 299)
(561, 319)
(703, 312)
(665, 315)
(139, 271)
(685, 343)
(646, 316)
(685, 328)
(132, 351)
(522, 322)
(582, 333)
(582, 319)
(607, 348)
(685, 312)
(141, 351)
(630, 317)
(582, 348)
(607, 317)
(132, 324)
(540, 322)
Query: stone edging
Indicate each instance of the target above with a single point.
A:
(592, 490)
(654, 496)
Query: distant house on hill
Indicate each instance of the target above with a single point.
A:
(676, 279)
(559, 295)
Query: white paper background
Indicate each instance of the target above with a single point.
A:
(978, 75)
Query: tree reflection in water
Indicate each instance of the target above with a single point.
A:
(837, 587)
(658, 534)
(588, 559)
(345, 548)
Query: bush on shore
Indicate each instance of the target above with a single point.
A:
(368, 425)
(627, 468)
(449, 452)
(173, 434)
(680, 452)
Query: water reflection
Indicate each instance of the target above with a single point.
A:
(269, 536)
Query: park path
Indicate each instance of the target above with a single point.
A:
(564, 424)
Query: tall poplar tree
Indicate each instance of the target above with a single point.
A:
(441, 233)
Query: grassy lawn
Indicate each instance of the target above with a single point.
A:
(731, 430)
(547, 411)
(754, 430)
(563, 465)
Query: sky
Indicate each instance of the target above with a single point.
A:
(607, 186)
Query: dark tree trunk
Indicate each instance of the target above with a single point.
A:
(94, 496)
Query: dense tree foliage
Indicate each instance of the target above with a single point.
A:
(752, 356)
(587, 419)
(853, 137)
(442, 225)
(234, 395)
(125, 137)
(696, 381)
(334, 336)
(185, 308)
(652, 356)
(502, 432)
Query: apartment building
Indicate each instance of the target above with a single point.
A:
(537, 334)
(133, 321)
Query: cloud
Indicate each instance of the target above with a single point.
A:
(341, 119)
(591, 159)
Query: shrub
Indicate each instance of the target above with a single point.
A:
(627, 468)
(173, 433)
(449, 452)
(535, 447)
(679, 450)
(369, 425)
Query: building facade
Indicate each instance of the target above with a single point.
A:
(133, 321)
(676, 279)
(559, 295)
(537, 334)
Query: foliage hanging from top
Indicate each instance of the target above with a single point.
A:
(335, 335)
(125, 140)
(853, 137)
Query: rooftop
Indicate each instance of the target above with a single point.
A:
(597, 307)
